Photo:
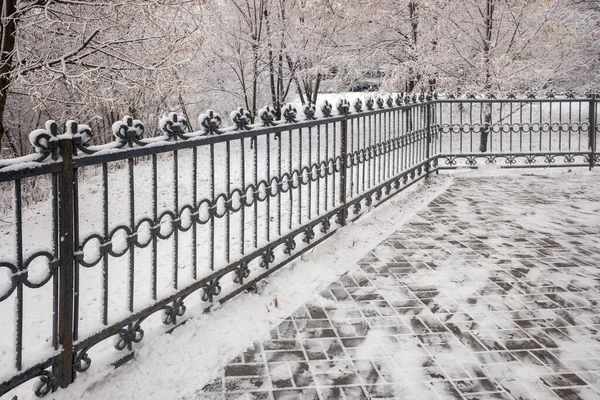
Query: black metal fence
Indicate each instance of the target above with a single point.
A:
(127, 232)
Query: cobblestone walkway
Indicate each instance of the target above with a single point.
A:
(491, 292)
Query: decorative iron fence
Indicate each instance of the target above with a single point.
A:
(127, 232)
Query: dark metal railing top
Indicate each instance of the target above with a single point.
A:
(238, 202)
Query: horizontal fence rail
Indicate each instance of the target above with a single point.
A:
(126, 236)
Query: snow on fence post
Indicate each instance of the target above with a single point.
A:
(66, 258)
(592, 129)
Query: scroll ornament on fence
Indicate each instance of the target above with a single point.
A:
(46, 141)
(310, 111)
(289, 114)
(241, 118)
(128, 131)
(173, 126)
(358, 105)
(210, 122)
(370, 103)
(399, 99)
(326, 109)
(380, 102)
(343, 107)
(390, 101)
(267, 116)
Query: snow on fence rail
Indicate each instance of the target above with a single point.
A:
(132, 233)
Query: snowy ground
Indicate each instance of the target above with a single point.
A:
(482, 271)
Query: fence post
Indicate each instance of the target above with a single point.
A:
(428, 150)
(592, 129)
(66, 257)
(344, 177)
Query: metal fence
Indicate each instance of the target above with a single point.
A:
(129, 234)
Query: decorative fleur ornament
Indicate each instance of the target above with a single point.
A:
(591, 93)
(569, 159)
(326, 109)
(511, 95)
(241, 118)
(407, 99)
(210, 121)
(399, 99)
(429, 96)
(81, 134)
(242, 271)
(551, 94)
(210, 290)
(380, 102)
(289, 114)
(570, 94)
(170, 313)
(309, 234)
(325, 225)
(267, 258)
(370, 103)
(436, 95)
(343, 107)
(126, 337)
(267, 116)
(47, 383)
(422, 97)
(490, 95)
(129, 131)
(290, 245)
(451, 95)
(46, 141)
(173, 126)
(530, 94)
(471, 95)
(310, 111)
(530, 159)
(414, 98)
(390, 101)
(510, 160)
(358, 105)
(357, 207)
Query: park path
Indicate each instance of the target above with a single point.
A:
(490, 292)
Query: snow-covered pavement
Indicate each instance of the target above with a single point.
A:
(491, 291)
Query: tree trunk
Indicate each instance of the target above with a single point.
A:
(7, 37)
(487, 47)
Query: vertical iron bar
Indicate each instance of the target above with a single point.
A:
(195, 204)
(343, 177)
(310, 181)
(280, 184)
(243, 197)
(19, 323)
(76, 263)
(156, 226)
(132, 227)
(592, 129)
(291, 191)
(300, 178)
(319, 165)
(213, 207)
(177, 217)
(229, 201)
